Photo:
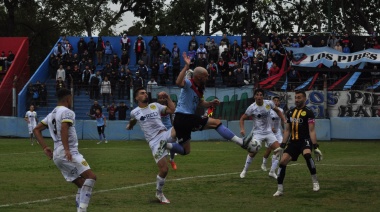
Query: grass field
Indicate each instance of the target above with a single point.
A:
(206, 180)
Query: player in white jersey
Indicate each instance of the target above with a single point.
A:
(276, 129)
(262, 128)
(73, 166)
(31, 119)
(158, 137)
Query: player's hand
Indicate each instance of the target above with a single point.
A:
(274, 130)
(318, 154)
(129, 127)
(242, 132)
(215, 102)
(68, 155)
(48, 152)
(163, 95)
(186, 58)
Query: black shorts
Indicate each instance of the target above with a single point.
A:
(184, 124)
(101, 129)
(295, 148)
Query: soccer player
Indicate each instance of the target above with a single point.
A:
(191, 96)
(31, 119)
(300, 127)
(66, 156)
(101, 122)
(168, 122)
(157, 135)
(260, 110)
(276, 129)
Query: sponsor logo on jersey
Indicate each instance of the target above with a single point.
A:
(152, 107)
(267, 107)
(303, 113)
(296, 120)
(84, 163)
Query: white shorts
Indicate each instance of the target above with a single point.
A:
(268, 139)
(31, 128)
(70, 170)
(278, 135)
(157, 145)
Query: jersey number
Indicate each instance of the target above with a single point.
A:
(55, 126)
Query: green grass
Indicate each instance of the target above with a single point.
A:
(206, 180)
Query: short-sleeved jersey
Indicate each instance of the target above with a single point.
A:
(299, 120)
(276, 120)
(166, 120)
(99, 120)
(262, 120)
(188, 100)
(32, 117)
(54, 121)
(149, 119)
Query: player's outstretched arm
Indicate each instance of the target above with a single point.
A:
(37, 131)
(241, 122)
(131, 123)
(181, 77)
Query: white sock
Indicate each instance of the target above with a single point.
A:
(160, 184)
(314, 178)
(77, 197)
(264, 160)
(280, 187)
(274, 163)
(237, 140)
(248, 162)
(85, 193)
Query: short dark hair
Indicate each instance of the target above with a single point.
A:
(137, 90)
(62, 93)
(301, 92)
(259, 90)
(275, 97)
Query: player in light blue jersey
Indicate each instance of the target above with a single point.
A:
(191, 96)
(100, 124)
(66, 156)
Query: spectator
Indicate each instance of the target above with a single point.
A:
(233, 47)
(212, 70)
(250, 51)
(230, 80)
(222, 48)
(155, 68)
(208, 44)
(3, 58)
(69, 74)
(294, 77)
(143, 70)
(347, 40)
(138, 81)
(152, 83)
(125, 43)
(9, 60)
(128, 83)
(91, 49)
(77, 79)
(81, 45)
(61, 73)
(201, 56)
(43, 95)
(68, 48)
(375, 75)
(338, 47)
(274, 70)
(121, 83)
(59, 85)
(176, 67)
(376, 45)
(99, 50)
(268, 65)
(256, 70)
(86, 76)
(29, 95)
(106, 91)
(222, 69)
(95, 81)
(154, 45)
(124, 61)
(226, 41)
(332, 41)
(162, 71)
(295, 43)
(321, 43)
(193, 43)
(239, 75)
(308, 44)
(145, 58)
(113, 78)
(335, 74)
(139, 47)
(93, 109)
(346, 48)
(165, 56)
(260, 53)
(163, 48)
(112, 109)
(58, 50)
(122, 111)
(226, 55)
(214, 53)
(246, 64)
(237, 55)
(106, 70)
(108, 52)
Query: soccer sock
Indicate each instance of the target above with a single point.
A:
(172, 154)
(175, 148)
(85, 193)
(281, 174)
(77, 197)
(310, 164)
(104, 136)
(274, 163)
(100, 137)
(248, 162)
(160, 184)
(264, 160)
(225, 132)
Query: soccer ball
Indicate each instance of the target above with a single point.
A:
(254, 146)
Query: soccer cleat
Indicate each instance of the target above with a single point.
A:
(264, 167)
(99, 142)
(272, 174)
(278, 193)
(161, 197)
(242, 174)
(174, 165)
(246, 140)
(316, 186)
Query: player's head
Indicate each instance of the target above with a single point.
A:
(97, 111)
(31, 108)
(141, 95)
(162, 99)
(200, 76)
(300, 99)
(259, 96)
(276, 100)
(64, 97)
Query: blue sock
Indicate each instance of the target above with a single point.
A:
(225, 132)
(104, 136)
(177, 148)
(100, 137)
(172, 154)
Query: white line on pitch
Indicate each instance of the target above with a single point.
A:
(126, 187)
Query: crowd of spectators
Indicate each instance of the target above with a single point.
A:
(36, 94)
